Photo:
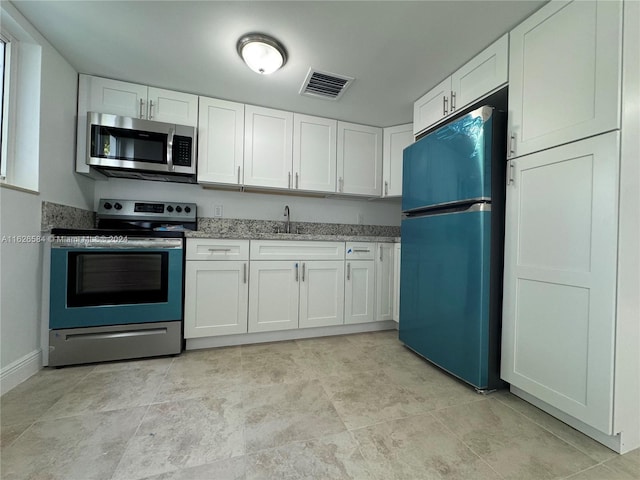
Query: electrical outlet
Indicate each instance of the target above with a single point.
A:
(360, 218)
(217, 211)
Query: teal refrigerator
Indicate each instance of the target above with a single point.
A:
(452, 246)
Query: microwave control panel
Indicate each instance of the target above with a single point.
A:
(182, 147)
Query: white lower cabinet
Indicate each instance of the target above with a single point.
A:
(274, 295)
(559, 312)
(321, 293)
(295, 285)
(216, 289)
(360, 278)
(384, 281)
(396, 282)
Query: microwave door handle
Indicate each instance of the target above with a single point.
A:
(172, 132)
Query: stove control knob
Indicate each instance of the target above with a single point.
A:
(107, 206)
(178, 209)
(117, 206)
(187, 209)
(169, 209)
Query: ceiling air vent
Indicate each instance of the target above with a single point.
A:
(329, 86)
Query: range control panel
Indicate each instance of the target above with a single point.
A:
(141, 210)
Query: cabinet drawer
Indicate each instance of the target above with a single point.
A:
(360, 251)
(293, 250)
(212, 249)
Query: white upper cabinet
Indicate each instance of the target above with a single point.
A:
(172, 107)
(559, 310)
(395, 140)
(359, 159)
(220, 141)
(478, 77)
(314, 153)
(485, 72)
(105, 95)
(268, 147)
(564, 75)
(432, 107)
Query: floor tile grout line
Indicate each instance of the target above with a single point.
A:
(599, 462)
(133, 435)
(461, 440)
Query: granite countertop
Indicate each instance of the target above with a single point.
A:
(292, 236)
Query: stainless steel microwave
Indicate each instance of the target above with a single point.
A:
(145, 149)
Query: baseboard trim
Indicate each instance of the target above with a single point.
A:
(262, 337)
(614, 442)
(17, 372)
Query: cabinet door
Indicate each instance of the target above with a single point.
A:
(560, 277)
(116, 97)
(268, 147)
(359, 291)
(564, 75)
(484, 73)
(395, 140)
(216, 298)
(384, 281)
(359, 159)
(220, 141)
(273, 295)
(432, 106)
(172, 107)
(314, 153)
(321, 293)
(396, 283)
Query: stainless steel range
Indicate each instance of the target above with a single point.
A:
(116, 292)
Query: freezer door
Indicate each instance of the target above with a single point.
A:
(451, 164)
(444, 299)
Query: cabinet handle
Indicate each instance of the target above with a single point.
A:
(360, 250)
(289, 181)
(150, 109)
(340, 184)
(380, 247)
(386, 188)
(303, 265)
(445, 101)
(219, 249)
(453, 100)
(512, 144)
(141, 104)
(244, 270)
(296, 180)
(348, 271)
(296, 272)
(238, 175)
(512, 179)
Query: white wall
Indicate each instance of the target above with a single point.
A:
(20, 212)
(255, 206)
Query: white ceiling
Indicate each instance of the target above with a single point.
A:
(396, 50)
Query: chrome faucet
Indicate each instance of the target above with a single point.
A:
(287, 226)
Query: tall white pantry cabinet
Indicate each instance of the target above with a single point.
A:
(571, 327)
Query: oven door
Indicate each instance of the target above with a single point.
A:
(138, 281)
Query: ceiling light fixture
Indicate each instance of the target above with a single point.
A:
(262, 54)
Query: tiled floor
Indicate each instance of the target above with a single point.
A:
(359, 406)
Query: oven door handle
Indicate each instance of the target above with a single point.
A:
(127, 333)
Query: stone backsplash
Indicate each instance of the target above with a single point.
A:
(55, 215)
(244, 228)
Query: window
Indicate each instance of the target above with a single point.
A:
(4, 99)
(21, 57)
